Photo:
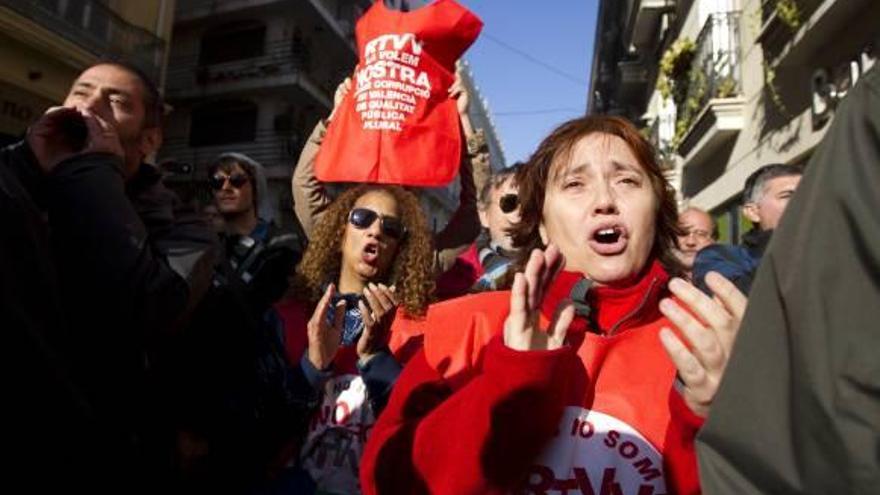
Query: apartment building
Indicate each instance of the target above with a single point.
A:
(724, 87)
(45, 44)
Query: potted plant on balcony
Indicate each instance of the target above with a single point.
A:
(675, 66)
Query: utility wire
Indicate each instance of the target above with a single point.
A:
(535, 60)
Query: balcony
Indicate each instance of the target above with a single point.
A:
(282, 64)
(339, 15)
(644, 26)
(633, 80)
(792, 39)
(191, 10)
(779, 21)
(276, 152)
(96, 28)
(712, 112)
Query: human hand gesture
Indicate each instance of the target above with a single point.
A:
(377, 314)
(702, 361)
(459, 92)
(341, 90)
(63, 132)
(324, 338)
(521, 330)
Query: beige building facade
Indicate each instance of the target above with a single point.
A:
(45, 44)
(731, 85)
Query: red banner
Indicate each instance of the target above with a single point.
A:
(398, 125)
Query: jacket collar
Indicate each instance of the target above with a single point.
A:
(756, 240)
(610, 310)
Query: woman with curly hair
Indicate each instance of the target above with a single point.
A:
(371, 253)
(312, 197)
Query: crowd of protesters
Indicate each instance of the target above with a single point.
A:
(153, 352)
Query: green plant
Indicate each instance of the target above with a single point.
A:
(726, 88)
(690, 107)
(663, 86)
(789, 13)
(771, 89)
(674, 67)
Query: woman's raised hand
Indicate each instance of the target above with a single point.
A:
(324, 338)
(702, 358)
(521, 329)
(377, 313)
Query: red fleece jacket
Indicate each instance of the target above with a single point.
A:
(599, 416)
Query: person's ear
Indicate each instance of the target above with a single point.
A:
(484, 216)
(750, 210)
(543, 232)
(150, 141)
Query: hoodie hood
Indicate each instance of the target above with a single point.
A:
(265, 211)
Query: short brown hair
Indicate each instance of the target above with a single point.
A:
(154, 105)
(532, 181)
(496, 179)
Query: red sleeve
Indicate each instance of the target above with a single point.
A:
(679, 452)
(480, 439)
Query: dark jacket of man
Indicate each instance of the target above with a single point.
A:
(737, 263)
(113, 270)
(799, 408)
(229, 371)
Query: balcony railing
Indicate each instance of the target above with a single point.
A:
(278, 58)
(185, 8)
(715, 70)
(96, 28)
(343, 12)
(271, 149)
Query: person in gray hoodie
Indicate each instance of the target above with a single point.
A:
(260, 255)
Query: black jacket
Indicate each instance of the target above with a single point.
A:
(228, 370)
(121, 266)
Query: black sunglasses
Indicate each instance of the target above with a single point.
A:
(508, 203)
(235, 180)
(362, 218)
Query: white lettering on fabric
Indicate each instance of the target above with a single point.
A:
(389, 82)
(596, 454)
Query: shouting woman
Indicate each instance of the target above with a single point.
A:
(574, 380)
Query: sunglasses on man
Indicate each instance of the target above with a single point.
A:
(363, 218)
(218, 181)
(508, 203)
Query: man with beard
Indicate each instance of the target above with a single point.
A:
(125, 266)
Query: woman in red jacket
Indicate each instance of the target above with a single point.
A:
(370, 254)
(572, 382)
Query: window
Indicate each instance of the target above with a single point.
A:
(223, 122)
(731, 222)
(233, 41)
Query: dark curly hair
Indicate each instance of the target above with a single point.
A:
(411, 272)
(557, 147)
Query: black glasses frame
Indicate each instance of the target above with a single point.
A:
(362, 218)
(235, 180)
(508, 203)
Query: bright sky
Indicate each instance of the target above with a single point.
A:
(517, 61)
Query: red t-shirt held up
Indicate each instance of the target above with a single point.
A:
(398, 125)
